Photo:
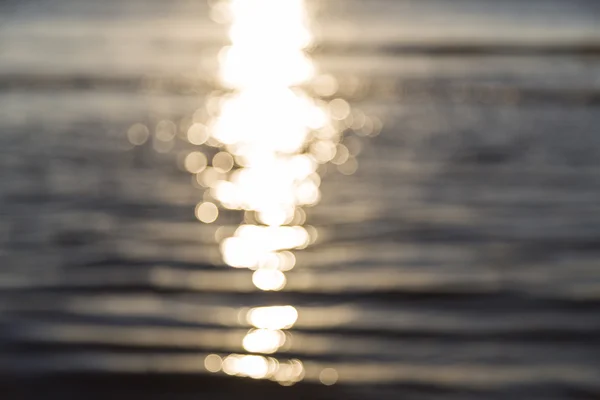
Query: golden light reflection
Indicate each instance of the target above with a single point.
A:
(269, 137)
(277, 317)
(213, 363)
(260, 367)
(259, 247)
(256, 367)
(265, 341)
(267, 42)
(195, 162)
(265, 125)
(207, 212)
(270, 323)
(269, 280)
(197, 134)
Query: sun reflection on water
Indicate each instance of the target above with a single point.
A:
(271, 137)
(261, 144)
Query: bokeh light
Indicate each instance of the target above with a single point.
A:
(261, 367)
(265, 341)
(207, 212)
(195, 162)
(328, 376)
(270, 137)
(138, 134)
(197, 134)
(166, 130)
(269, 280)
(276, 317)
(213, 363)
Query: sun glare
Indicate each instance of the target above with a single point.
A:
(270, 136)
(271, 133)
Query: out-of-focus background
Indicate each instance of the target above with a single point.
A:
(426, 223)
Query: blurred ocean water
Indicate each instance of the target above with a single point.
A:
(461, 258)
